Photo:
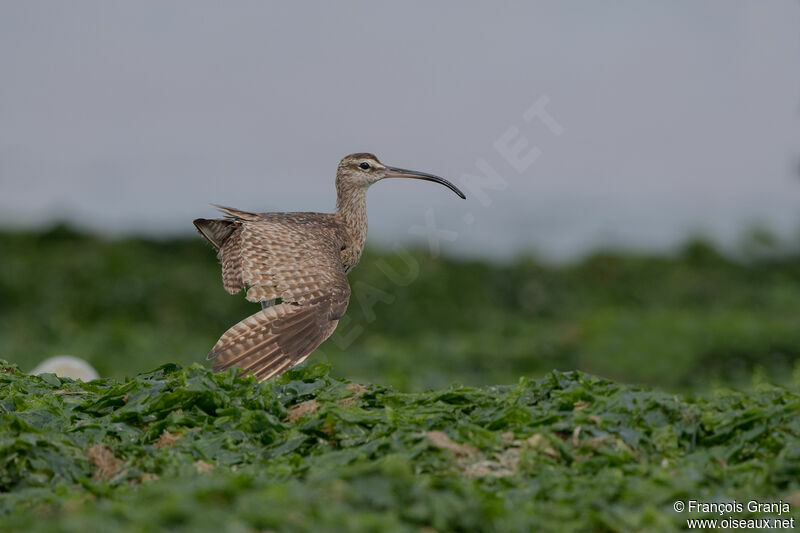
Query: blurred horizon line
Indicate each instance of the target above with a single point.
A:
(756, 241)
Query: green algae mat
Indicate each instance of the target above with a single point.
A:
(182, 449)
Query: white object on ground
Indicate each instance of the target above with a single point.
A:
(67, 366)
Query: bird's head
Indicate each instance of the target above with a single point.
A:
(362, 170)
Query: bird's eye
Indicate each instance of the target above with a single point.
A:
(365, 166)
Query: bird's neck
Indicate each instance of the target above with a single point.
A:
(351, 206)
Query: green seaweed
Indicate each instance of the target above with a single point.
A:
(194, 451)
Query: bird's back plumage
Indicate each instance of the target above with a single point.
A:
(291, 256)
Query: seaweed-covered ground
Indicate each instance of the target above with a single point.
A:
(181, 449)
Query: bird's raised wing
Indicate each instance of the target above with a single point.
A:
(278, 337)
(294, 257)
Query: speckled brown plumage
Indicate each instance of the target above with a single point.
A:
(301, 259)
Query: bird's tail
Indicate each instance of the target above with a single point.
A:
(215, 230)
(273, 340)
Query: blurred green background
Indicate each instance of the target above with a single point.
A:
(683, 322)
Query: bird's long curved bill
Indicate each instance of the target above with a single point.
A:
(394, 172)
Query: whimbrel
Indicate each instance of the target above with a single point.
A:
(295, 265)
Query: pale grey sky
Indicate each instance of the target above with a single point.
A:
(676, 117)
